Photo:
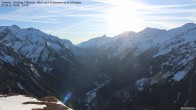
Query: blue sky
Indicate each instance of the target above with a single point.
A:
(93, 18)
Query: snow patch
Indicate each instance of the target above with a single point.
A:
(179, 75)
(19, 85)
(8, 59)
(16, 103)
(92, 94)
(47, 69)
(140, 83)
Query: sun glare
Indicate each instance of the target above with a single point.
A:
(122, 17)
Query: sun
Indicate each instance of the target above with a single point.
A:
(122, 17)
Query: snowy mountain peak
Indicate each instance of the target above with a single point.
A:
(24, 40)
(95, 42)
(183, 29)
(104, 35)
(34, 35)
(151, 30)
(190, 25)
(15, 27)
(125, 34)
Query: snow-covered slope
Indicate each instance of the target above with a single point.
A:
(21, 102)
(144, 65)
(129, 71)
(26, 55)
(36, 45)
(34, 63)
(18, 74)
(141, 41)
(16, 103)
(32, 39)
(95, 42)
(183, 35)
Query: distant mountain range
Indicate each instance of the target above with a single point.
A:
(153, 69)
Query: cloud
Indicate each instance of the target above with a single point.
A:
(52, 13)
(25, 20)
(71, 26)
(55, 14)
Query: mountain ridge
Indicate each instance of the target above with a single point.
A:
(121, 71)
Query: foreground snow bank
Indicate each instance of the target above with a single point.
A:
(21, 102)
(16, 103)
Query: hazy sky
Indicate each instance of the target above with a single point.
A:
(93, 18)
